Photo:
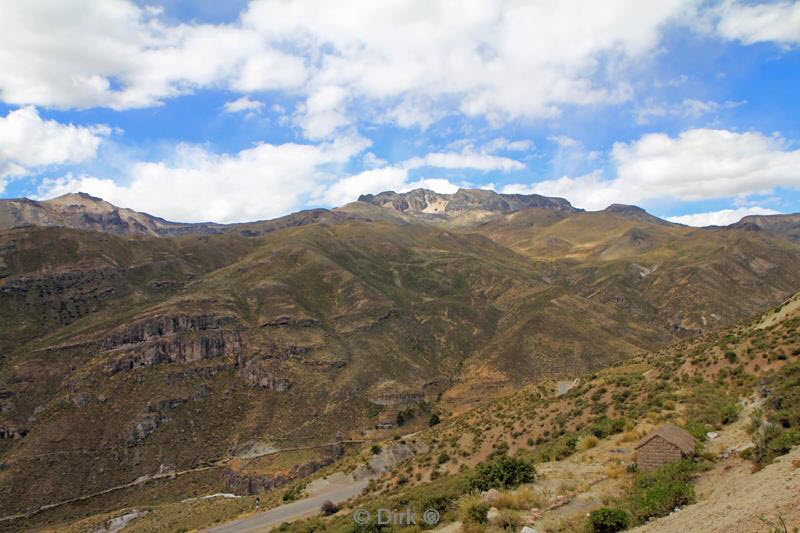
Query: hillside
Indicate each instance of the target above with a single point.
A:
(718, 386)
(127, 357)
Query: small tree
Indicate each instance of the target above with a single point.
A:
(434, 420)
(502, 472)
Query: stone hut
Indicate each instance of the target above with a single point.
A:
(664, 445)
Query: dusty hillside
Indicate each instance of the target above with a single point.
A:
(129, 357)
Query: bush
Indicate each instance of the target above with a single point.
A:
(608, 520)
(472, 509)
(443, 458)
(502, 473)
(658, 492)
(328, 508)
(434, 420)
(558, 449)
(375, 449)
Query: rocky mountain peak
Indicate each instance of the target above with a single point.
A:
(430, 204)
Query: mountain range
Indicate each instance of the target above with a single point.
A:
(133, 346)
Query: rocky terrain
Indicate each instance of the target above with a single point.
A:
(144, 350)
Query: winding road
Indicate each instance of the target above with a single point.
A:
(337, 491)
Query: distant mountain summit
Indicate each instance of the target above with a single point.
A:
(83, 211)
(787, 226)
(428, 204)
(633, 212)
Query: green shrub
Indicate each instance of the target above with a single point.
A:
(656, 493)
(778, 429)
(502, 473)
(557, 449)
(477, 513)
(434, 420)
(608, 520)
(375, 449)
(710, 405)
(443, 458)
(605, 426)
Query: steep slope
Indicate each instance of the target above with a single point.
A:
(133, 356)
(293, 344)
(672, 277)
(582, 441)
(52, 277)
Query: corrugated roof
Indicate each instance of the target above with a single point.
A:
(672, 433)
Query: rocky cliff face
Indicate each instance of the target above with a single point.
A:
(429, 204)
(170, 339)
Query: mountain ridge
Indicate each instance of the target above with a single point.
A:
(465, 207)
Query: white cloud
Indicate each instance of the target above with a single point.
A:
(74, 54)
(687, 108)
(196, 185)
(373, 180)
(439, 185)
(262, 182)
(706, 163)
(721, 218)
(503, 144)
(415, 61)
(698, 164)
(27, 141)
(397, 177)
(408, 63)
(243, 104)
(562, 140)
(777, 22)
(464, 159)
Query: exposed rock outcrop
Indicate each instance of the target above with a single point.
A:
(429, 204)
(12, 433)
(264, 377)
(245, 484)
(149, 421)
(170, 339)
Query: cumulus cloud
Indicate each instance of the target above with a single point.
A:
(722, 217)
(27, 141)
(265, 181)
(477, 58)
(777, 22)
(698, 164)
(197, 185)
(243, 104)
(74, 54)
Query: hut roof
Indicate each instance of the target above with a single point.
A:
(673, 434)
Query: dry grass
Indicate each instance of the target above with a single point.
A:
(587, 442)
(615, 470)
(522, 498)
(465, 506)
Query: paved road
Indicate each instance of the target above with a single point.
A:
(291, 511)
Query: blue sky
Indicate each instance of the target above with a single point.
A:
(231, 111)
